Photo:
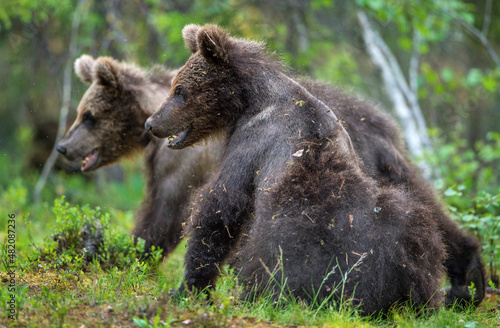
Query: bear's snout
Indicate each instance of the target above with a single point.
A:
(148, 125)
(61, 149)
(152, 126)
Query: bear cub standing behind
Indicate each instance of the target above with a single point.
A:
(290, 177)
(110, 125)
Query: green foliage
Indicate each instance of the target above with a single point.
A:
(432, 20)
(468, 168)
(26, 11)
(84, 235)
(335, 67)
(482, 218)
(54, 293)
(450, 91)
(59, 285)
(470, 180)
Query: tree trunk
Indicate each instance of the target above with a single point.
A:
(404, 99)
(65, 101)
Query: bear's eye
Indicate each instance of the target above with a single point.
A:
(88, 120)
(179, 91)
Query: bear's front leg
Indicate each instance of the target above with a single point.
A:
(219, 214)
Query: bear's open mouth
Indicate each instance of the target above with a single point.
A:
(90, 160)
(179, 138)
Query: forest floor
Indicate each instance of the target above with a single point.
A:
(117, 299)
(47, 281)
(138, 296)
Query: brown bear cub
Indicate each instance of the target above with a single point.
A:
(121, 96)
(110, 125)
(290, 177)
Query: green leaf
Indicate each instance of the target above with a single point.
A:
(319, 4)
(405, 43)
(439, 184)
(474, 77)
(468, 17)
(489, 83)
(451, 192)
(447, 75)
(424, 48)
(376, 4)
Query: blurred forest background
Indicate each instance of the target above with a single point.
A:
(433, 64)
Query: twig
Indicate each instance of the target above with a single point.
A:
(63, 115)
(481, 35)
(28, 232)
(112, 17)
(413, 100)
(399, 78)
(160, 39)
(487, 18)
(404, 101)
(414, 63)
(472, 29)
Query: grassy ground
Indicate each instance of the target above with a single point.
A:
(54, 285)
(131, 297)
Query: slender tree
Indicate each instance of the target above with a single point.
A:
(73, 45)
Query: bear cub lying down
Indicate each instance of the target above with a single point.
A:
(290, 177)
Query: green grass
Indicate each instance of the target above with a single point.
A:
(57, 287)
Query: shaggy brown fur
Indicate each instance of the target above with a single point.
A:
(172, 176)
(110, 125)
(289, 163)
(377, 142)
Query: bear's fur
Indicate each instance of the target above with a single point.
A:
(173, 175)
(290, 176)
(377, 142)
(110, 124)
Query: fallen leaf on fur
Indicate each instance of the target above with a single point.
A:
(298, 153)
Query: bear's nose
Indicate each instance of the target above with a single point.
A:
(148, 126)
(61, 149)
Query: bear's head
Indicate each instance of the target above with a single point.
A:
(210, 91)
(110, 116)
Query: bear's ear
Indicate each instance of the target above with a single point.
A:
(189, 33)
(213, 43)
(83, 68)
(105, 72)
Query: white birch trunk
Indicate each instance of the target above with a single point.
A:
(403, 98)
(65, 101)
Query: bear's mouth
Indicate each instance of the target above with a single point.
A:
(90, 160)
(177, 140)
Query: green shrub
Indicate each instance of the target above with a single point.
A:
(483, 219)
(82, 236)
(462, 167)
